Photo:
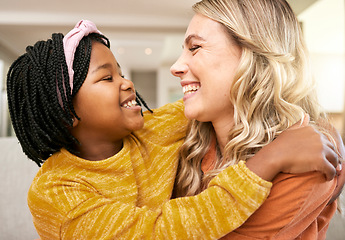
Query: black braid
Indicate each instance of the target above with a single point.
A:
(141, 101)
(40, 98)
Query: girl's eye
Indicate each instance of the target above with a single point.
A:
(193, 48)
(110, 78)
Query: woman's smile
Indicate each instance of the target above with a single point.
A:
(189, 89)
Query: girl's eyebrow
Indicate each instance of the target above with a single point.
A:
(119, 67)
(106, 66)
(103, 66)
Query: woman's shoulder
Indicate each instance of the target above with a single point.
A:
(302, 183)
(334, 133)
(294, 203)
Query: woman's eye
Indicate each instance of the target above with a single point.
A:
(193, 48)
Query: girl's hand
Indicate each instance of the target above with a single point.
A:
(340, 169)
(300, 148)
(340, 183)
(305, 149)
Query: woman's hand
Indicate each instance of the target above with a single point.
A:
(300, 148)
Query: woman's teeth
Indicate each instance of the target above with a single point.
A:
(190, 88)
(130, 104)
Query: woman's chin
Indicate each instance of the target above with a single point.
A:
(190, 114)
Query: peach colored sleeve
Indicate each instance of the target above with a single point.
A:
(296, 207)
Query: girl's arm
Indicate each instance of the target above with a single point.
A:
(298, 149)
(66, 207)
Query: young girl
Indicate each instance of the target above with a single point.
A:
(106, 174)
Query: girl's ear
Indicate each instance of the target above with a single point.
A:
(75, 122)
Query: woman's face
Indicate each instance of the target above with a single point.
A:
(105, 101)
(206, 68)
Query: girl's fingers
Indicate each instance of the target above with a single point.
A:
(340, 184)
(329, 171)
(333, 162)
(301, 123)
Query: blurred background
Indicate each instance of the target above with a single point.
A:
(146, 38)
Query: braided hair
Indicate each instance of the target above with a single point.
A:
(40, 97)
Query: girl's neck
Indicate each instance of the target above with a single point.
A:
(92, 151)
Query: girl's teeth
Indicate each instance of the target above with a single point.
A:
(130, 104)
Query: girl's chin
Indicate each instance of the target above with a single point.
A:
(137, 124)
(140, 124)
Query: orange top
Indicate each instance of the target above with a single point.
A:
(295, 209)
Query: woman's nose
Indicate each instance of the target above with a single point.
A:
(179, 68)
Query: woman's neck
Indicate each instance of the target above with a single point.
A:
(222, 129)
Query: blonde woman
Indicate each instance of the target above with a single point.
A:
(246, 78)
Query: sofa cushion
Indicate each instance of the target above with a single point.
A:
(16, 174)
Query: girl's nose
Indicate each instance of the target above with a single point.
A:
(127, 85)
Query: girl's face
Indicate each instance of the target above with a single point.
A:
(206, 68)
(105, 102)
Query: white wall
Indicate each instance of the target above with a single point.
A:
(323, 26)
(3, 106)
(168, 86)
(6, 59)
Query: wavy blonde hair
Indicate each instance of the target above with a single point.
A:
(273, 87)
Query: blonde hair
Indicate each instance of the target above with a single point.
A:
(273, 87)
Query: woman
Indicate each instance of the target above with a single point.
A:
(245, 76)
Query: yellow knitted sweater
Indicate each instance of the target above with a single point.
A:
(127, 196)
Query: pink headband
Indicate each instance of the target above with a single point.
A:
(71, 42)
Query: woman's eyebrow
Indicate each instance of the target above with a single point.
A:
(190, 37)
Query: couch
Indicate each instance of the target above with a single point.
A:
(16, 174)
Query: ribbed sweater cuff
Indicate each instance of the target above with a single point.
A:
(244, 185)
